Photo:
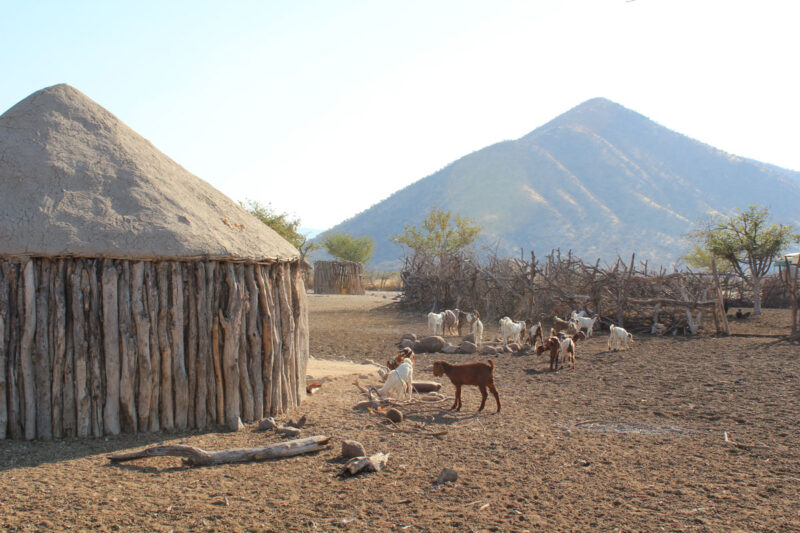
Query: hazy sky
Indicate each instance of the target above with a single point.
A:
(325, 108)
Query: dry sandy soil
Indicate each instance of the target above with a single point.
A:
(629, 441)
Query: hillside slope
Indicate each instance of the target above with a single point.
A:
(600, 179)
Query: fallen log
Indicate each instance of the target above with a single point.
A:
(199, 457)
(426, 386)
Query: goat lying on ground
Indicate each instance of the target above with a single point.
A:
(478, 373)
(399, 381)
(619, 339)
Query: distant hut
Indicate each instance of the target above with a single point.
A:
(338, 277)
(133, 295)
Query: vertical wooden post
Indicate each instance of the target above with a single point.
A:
(41, 359)
(141, 319)
(96, 372)
(26, 351)
(111, 347)
(3, 351)
(181, 382)
(254, 343)
(191, 342)
(230, 353)
(155, 348)
(167, 410)
(15, 313)
(300, 309)
(264, 302)
(127, 396)
(80, 342)
(203, 347)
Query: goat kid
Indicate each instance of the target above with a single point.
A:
(619, 339)
(477, 331)
(435, 323)
(399, 381)
(478, 373)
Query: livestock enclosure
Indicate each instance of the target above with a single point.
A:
(338, 277)
(674, 434)
(625, 292)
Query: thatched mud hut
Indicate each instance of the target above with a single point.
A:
(133, 295)
(338, 277)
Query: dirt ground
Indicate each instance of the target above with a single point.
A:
(629, 441)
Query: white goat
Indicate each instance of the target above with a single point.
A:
(399, 381)
(566, 352)
(619, 339)
(509, 328)
(435, 323)
(577, 314)
(477, 331)
(584, 323)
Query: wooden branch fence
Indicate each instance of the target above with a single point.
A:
(338, 277)
(623, 293)
(92, 347)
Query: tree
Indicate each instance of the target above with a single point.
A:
(747, 243)
(347, 248)
(441, 234)
(700, 258)
(283, 224)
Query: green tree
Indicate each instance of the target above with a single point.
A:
(440, 235)
(700, 258)
(283, 223)
(748, 243)
(348, 248)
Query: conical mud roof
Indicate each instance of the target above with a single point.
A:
(76, 181)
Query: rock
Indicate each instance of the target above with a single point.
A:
(450, 348)
(407, 343)
(235, 425)
(410, 336)
(467, 347)
(433, 344)
(447, 475)
(470, 338)
(289, 431)
(266, 424)
(489, 350)
(352, 448)
(395, 415)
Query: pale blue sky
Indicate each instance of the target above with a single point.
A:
(325, 108)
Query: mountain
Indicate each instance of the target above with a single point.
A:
(599, 179)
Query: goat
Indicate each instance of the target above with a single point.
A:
(567, 352)
(435, 323)
(578, 314)
(619, 339)
(450, 322)
(468, 319)
(533, 331)
(478, 373)
(477, 331)
(585, 323)
(399, 381)
(509, 328)
(553, 344)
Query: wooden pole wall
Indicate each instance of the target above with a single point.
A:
(92, 347)
(338, 277)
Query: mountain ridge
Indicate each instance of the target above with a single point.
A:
(599, 179)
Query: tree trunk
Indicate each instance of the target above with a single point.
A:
(199, 457)
(15, 313)
(213, 399)
(254, 343)
(127, 381)
(264, 302)
(755, 283)
(300, 310)
(191, 344)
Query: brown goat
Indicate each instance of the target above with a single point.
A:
(464, 318)
(478, 373)
(554, 345)
(391, 364)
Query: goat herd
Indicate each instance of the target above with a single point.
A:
(564, 334)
